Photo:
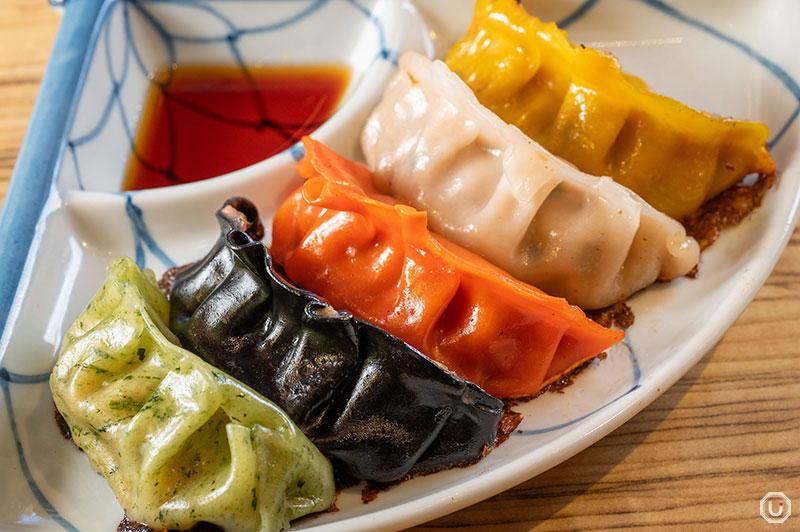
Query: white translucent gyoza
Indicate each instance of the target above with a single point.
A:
(493, 190)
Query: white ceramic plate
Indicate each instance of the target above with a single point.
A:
(62, 220)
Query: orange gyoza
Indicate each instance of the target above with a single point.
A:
(378, 260)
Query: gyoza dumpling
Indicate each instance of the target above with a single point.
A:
(577, 103)
(491, 189)
(178, 440)
(378, 259)
(373, 404)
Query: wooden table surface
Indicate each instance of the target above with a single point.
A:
(699, 458)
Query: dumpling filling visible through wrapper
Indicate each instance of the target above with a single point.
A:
(491, 189)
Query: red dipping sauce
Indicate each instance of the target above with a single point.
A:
(204, 121)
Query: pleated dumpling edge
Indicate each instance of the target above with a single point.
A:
(579, 104)
(488, 187)
(177, 440)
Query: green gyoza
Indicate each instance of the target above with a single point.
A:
(178, 440)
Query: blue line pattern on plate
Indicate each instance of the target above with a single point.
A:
(637, 376)
(579, 12)
(142, 235)
(75, 72)
(41, 152)
(298, 151)
(228, 38)
(784, 77)
(384, 53)
(168, 39)
(21, 378)
(99, 20)
(6, 377)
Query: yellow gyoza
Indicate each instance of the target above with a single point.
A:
(577, 103)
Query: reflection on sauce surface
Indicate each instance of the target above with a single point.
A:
(204, 121)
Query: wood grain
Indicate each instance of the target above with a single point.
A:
(699, 458)
(27, 30)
